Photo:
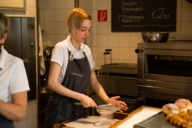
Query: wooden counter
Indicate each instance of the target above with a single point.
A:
(121, 116)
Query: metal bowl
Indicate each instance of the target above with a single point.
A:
(155, 37)
(107, 109)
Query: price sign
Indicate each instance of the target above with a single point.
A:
(143, 15)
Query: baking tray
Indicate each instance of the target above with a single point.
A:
(156, 121)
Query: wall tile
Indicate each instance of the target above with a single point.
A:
(133, 55)
(102, 41)
(178, 31)
(69, 4)
(184, 3)
(185, 31)
(89, 4)
(99, 63)
(186, 14)
(49, 27)
(49, 40)
(82, 4)
(94, 52)
(60, 27)
(94, 16)
(135, 38)
(94, 4)
(109, 29)
(60, 37)
(60, 16)
(102, 27)
(22, 124)
(123, 54)
(31, 111)
(102, 4)
(30, 3)
(95, 41)
(108, 4)
(124, 40)
(32, 123)
(50, 4)
(113, 41)
(115, 54)
(94, 28)
(100, 52)
(50, 15)
(89, 41)
(60, 4)
(41, 4)
(179, 3)
(178, 14)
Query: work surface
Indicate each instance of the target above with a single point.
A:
(121, 120)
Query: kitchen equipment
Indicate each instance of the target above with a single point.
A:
(154, 37)
(43, 91)
(107, 110)
(164, 71)
(189, 1)
(156, 121)
(21, 43)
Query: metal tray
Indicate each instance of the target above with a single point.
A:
(156, 121)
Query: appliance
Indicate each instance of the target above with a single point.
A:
(119, 79)
(165, 71)
(44, 92)
(21, 43)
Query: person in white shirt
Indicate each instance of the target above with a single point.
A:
(13, 82)
(71, 70)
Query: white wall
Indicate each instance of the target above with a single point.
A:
(123, 44)
(31, 118)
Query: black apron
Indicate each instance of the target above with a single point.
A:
(5, 123)
(61, 108)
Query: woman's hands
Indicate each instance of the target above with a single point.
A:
(86, 101)
(114, 100)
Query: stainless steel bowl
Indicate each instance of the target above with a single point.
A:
(155, 37)
(107, 109)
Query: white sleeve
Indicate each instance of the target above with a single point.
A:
(58, 54)
(19, 81)
(89, 57)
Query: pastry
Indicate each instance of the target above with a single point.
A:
(183, 104)
(170, 108)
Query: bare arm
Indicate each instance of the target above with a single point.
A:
(54, 85)
(98, 89)
(15, 111)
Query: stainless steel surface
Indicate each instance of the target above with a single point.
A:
(156, 121)
(154, 37)
(126, 86)
(107, 109)
(21, 43)
(164, 70)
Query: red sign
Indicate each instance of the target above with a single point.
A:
(102, 15)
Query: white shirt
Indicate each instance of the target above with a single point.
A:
(13, 78)
(60, 55)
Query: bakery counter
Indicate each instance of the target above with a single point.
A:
(122, 120)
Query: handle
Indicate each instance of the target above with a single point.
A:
(138, 50)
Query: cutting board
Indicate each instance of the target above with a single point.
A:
(91, 122)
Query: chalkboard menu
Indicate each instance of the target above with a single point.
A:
(143, 15)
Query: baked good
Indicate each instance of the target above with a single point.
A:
(169, 116)
(189, 111)
(170, 108)
(187, 124)
(183, 104)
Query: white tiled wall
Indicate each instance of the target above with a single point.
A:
(30, 120)
(123, 45)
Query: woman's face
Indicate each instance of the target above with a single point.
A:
(82, 34)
